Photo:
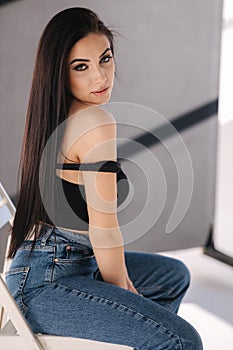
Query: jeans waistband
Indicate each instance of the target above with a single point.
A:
(53, 233)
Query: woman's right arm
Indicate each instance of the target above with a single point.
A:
(99, 143)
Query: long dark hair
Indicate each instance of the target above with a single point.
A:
(48, 107)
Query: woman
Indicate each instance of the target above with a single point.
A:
(70, 275)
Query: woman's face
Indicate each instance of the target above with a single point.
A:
(91, 70)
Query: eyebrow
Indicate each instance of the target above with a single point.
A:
(86, 60)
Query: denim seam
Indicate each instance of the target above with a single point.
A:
(17, 270)
(49, 273)
(37, 248)
(74, 261)
(123, 307)
(143, 290)
(50, 270)
(159, 288)
(20, 302)
(96, 273)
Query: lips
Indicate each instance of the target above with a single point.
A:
(101, 92)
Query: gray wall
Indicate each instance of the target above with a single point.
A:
(168, 60)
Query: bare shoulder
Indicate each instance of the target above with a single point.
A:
(89, 118)
(89, 129)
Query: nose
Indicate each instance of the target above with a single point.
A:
(99, 75)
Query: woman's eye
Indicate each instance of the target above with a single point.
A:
(106, 59)
(81, 67)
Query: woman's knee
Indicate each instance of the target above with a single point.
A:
(190, 338)
(181, 272)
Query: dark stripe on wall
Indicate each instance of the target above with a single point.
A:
(196, 116)
(180, 123)
(3, 2)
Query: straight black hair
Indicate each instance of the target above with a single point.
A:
(48, 106)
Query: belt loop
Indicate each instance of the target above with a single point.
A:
(46, 234)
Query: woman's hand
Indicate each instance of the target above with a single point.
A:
(130, 286)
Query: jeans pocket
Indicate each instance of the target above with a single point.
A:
(75, 253)
(15, 280)
(73, 259)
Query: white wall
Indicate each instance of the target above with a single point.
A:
(224, 189)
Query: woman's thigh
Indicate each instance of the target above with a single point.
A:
(81, 307)
(159, 278)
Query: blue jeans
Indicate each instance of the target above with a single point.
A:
(59, 289)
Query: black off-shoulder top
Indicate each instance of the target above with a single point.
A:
(71, 206)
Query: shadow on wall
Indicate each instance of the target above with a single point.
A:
(3, 2)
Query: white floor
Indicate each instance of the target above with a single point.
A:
(208, 304)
